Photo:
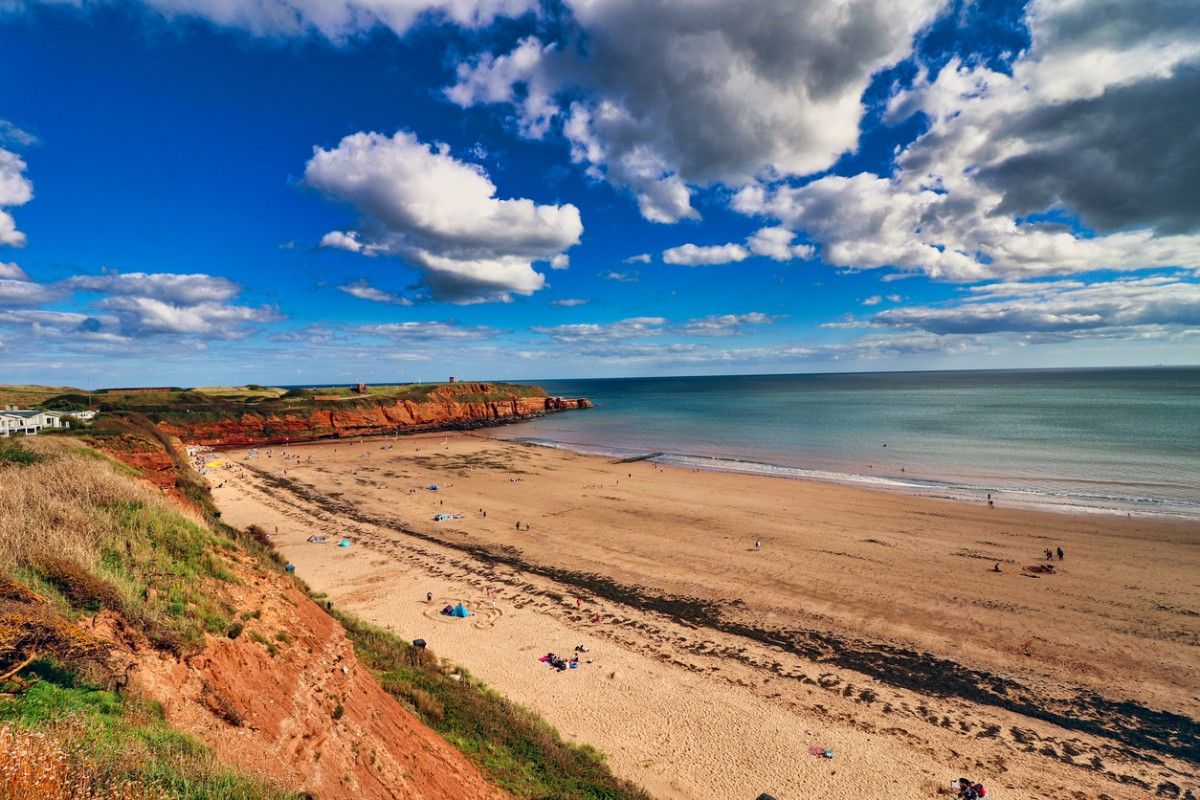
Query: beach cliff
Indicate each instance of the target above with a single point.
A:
(462, 406)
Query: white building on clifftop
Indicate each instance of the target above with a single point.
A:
(26, 421)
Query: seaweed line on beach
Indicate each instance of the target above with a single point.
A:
(1129, 723)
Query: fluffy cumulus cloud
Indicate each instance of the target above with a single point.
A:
(691, 255)
(774, 243)
(1149, 307)
(667, 95)
(15, 190)
(1082, 159)
(442, 216)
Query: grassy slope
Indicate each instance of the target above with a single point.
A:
(99, 540)
(77, 535)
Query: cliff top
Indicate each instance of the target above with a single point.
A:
(226, 401)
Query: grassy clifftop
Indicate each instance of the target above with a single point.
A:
(228, 401)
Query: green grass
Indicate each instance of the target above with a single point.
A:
(117, 739)
(13, 453)
(514, 747)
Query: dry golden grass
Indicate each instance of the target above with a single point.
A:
(49, 507)
(35, 764)
(76, 527)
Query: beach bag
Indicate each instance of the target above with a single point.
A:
(980, 791)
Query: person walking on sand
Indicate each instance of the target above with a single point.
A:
(1060, 554)
(518, 524)
(757, 544)
(429, 597)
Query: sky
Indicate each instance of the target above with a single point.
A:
(203, 192)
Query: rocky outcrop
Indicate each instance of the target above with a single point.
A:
(443, 409)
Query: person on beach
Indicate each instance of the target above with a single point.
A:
(997, 567)
(1060, 554)
(968, 790)
(758, 544)
(518, 524)
(429, 597)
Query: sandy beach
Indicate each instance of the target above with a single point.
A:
(869, 624)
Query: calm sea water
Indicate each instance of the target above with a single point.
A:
(1119, 440)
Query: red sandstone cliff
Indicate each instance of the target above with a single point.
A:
(308, 716)
(442, 410)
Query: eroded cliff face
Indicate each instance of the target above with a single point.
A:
(288, 700)
(338, 419)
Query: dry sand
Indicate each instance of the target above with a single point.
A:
(869, 623)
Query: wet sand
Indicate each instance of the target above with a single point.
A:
(868, 623)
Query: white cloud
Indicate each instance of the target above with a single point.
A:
(1097, 122)
(776, 243)
(628, 276)
(692, 255)
(134, 305)
(441, 215)
(12, 135)
(143, 316)
(179, 289)
(631, 328)
(560, 261)
(598, 334)
(24, 292)
(336, 20)
(428, 332)
(15, 190)
(569, 302)
(12, 272)
(342, 240)
(640, 258)
(672, 95)
(1164, 303)
(724, 324)
(364, 291)
(873, 300)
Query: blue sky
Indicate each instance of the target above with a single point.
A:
(289, 191)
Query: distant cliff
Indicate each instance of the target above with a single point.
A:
(459, 406)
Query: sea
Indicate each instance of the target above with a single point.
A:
(1121, 441)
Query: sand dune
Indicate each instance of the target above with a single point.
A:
(868, 623)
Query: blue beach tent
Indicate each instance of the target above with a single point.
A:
(460, 611)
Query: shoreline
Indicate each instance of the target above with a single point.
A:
(1025, 498)
(871, 624)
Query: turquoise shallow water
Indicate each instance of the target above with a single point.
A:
(1119, 440)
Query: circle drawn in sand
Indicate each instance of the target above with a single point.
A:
(483, 614)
